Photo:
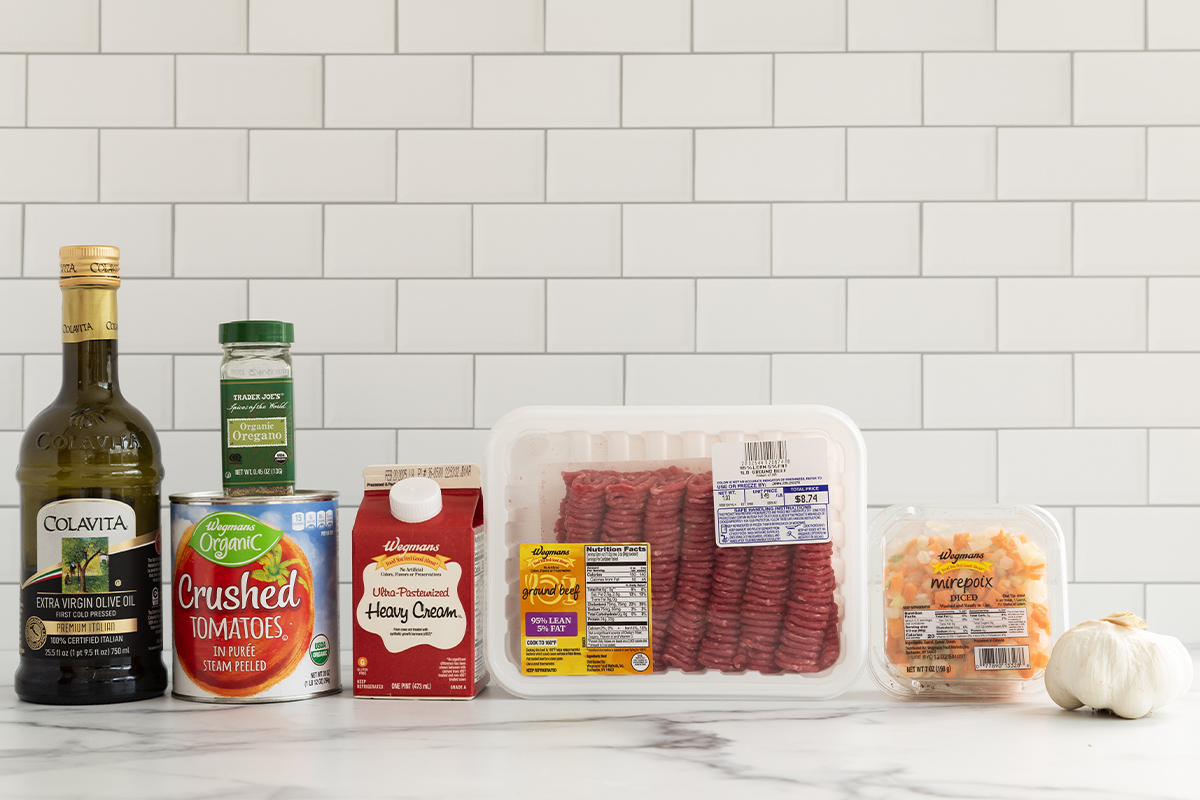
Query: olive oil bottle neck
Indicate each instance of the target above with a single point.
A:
(89, 335)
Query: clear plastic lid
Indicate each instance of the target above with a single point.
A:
(761, 619)
(966, 601)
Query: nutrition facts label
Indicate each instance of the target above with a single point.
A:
(617, 588)
(965, 623)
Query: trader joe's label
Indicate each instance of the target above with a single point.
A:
(258, 434)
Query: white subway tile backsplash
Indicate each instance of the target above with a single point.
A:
(504, 383)
(921, 164)
(10, 393)
(322, 26)
(1174, 324)
(1149, 389)
(191, 461)
(931, 467)
(1072, 164)
(248, 241)
(32, 308)
(12, 90)
(181, 26)
(376, 391)
(1073, 467)
(876, 391)
(36, 26)
(547, 91)
(696, 90)
(493, 316)
(470, 26)
(147, 382)
(322, 165)
(470, 166)
(334, 459)
(1070, 24)
(142, 231)
(1097, 600)
(398, 91)
(627, 26)
(1137, 239)
(1137, 88)
(197, 389)
(47, 165)
(921, 24)
(11, 223)
(440, 446)
(1072, 314)
(1171, 610)
(996, 239)
(619, 166)
(614, 316)
(249, 91)
(308, 383)
(10, 448)
(40, 382)
(997, 89)
(10, 568)
(1175, 466)
(775, 315)
(848, 89)
(740, 26)
(1066, 520)
(554, 241)
(827, 239)
(771, 164)
(1103, 550)
(397, 241)
(697, 239)
(926, 314)
(1173, 25)
(177, 315)
(1173, 164)
(107, 90)
(184, 166)
(997, 391)
(337, 316)
(652, 380)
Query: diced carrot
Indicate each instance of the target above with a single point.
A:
(962, 541)
(1040, 614)
(896, 581)
(909, 593)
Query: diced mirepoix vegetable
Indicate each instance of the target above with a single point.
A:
(937, 568)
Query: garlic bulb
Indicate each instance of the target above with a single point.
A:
(1117, 665)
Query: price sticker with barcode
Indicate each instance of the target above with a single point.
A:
(771, 492)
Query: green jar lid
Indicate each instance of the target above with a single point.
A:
(256, 330)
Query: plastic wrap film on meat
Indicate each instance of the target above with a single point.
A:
(768, 608)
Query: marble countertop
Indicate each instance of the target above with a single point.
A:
(861, 745)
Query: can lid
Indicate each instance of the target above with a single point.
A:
(256, 330)
(415, 499)
(89, 265)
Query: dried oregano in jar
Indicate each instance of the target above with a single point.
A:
(257, 421)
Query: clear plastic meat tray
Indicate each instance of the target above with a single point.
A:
(783, 618)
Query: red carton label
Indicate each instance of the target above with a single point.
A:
(418, 589)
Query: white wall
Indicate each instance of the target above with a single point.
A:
(972, 225)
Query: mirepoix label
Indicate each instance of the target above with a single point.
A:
(95, 592)
(585, 609)
(259, 431)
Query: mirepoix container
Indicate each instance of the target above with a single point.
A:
(675, 551)
(966, 601)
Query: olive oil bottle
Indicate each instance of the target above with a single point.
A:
(91, 544)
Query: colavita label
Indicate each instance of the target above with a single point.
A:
(95, 592)
(585, 609)
(255, 599)
(89, 313)
(259, 433)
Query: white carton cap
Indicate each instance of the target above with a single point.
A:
(415, 499)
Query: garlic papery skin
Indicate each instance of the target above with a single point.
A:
(1115, 664)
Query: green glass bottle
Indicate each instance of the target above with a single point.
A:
(91, 539)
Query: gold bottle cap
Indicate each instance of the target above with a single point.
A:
(89, 265)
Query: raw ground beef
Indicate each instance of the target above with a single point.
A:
(769, 608)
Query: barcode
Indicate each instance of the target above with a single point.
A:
(764, 451)
(1002, 657)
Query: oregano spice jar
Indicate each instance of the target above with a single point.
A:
(257, 420)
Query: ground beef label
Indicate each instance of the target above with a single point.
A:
(771, 492)
(255, 599)
(585, 609)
